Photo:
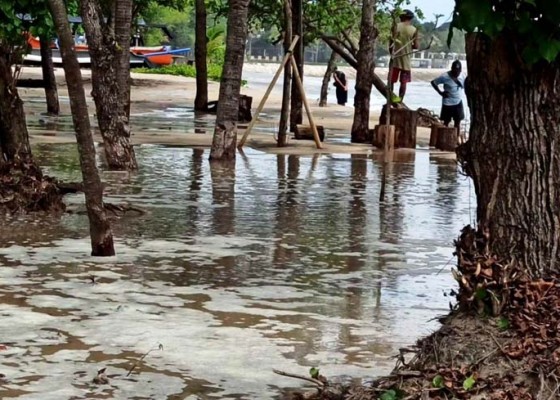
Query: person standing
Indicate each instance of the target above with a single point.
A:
(404, 43)
(453, 82)
(341, 86)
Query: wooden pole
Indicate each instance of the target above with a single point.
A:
(306, 104)
(286, 58)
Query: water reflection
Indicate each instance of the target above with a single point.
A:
(285, 262)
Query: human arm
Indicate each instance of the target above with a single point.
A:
(435, 84)
(415, 44)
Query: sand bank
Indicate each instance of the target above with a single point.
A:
(151, 92)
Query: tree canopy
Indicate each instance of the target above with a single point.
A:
(532, 24)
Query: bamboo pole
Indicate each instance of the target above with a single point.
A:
(286, 58)
(306, 104)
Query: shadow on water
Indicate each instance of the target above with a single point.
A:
(286, 262)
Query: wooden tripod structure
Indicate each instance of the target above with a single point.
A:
(288, 57)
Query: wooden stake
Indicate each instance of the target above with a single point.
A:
(306, 104)
(286, 58)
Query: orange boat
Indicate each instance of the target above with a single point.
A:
(161, 57)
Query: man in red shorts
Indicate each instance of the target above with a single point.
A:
(405, 42)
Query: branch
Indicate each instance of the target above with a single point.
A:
(305, 378)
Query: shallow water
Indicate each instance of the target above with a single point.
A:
(288, 262)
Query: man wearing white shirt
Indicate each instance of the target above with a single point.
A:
(453, 82)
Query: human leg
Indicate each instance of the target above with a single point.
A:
(405, 77)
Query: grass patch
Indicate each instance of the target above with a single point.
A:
(214, 71)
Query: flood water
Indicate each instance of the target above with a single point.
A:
(287, 262)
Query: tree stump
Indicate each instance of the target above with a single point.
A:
(245, 103)
(385, 133)
(304, 132)
(244, 114)
(405, 122)
(434, 134)
(447, 138)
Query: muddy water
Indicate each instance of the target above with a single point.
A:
(288, 262)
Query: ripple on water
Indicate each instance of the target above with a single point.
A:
(286, 263)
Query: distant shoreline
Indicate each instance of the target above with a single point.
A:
(420, 74)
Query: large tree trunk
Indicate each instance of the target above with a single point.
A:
(296, 111)
(200, 57)
(225, 133)
(285, 111)
(100, 228)
(364, 75)
(51, 92)
(14, 138)
(327, 79)
(513, 152)
(110, 82)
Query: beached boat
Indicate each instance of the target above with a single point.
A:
(140, 56)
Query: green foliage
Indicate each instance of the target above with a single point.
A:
(180, 23)
(532, 24)
(18, 17)
(503, 324)
(389, 395)
(468, 383)
(438, 382)
(314, 372)
(214, 71)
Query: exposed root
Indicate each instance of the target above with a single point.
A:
(23, 188)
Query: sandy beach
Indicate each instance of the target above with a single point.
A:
(151, 91)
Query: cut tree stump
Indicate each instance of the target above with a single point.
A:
(405, 122)
(434, 134)
(380, 135)
(447, 138)
(304, 132)
(245, 104)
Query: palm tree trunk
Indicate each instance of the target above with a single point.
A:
(111, 84)
(225, 133)
(200, 57)
(364, 75)
(51, 92)
(100, 228)
(327, 79)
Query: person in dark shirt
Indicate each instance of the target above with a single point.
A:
(341, 86)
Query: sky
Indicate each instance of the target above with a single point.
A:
(432, 7)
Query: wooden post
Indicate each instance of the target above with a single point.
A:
(286, 58)
(306, 104)
(434, 134)
(447, 138)
(405, 122)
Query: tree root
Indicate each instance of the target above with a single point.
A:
(23, 189)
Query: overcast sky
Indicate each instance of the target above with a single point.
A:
(432, 7)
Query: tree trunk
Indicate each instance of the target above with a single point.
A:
(100, 228)
(327, 79)
(364, 74)
(200, 57)
(14, 137)
(285, 112)
(111, 84)
(296, 111)
(49, 80)
(123, 29)
(513, 152)
(225, 133)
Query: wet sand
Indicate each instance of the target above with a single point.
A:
(150, 91)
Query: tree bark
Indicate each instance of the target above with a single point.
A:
(200, 57)
(14, 137)
(110, 81)
(49, 80)
(225, 133)
(285, 112)
(327, 79)
(364, 74)
(513, 152)
(296, 111)
(100, 228)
